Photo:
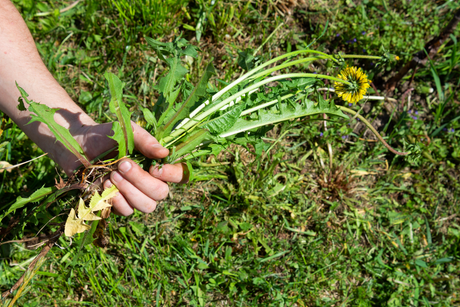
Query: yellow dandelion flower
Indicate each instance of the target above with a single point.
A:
(141, 122)
(357, 87)
(396, 58)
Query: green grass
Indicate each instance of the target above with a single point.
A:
(280, 229)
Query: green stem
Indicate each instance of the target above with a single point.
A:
(287, 64)
(358, 56)
(350, 111)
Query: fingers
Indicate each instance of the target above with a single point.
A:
(130, 172)
(177, 173)
(147, 144)
(120, 205)
(150, 148)
(138, 189)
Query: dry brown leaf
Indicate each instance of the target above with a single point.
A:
(105, 213)
(61, 184)
(357, 172)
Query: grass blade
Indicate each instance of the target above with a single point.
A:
(274, 256)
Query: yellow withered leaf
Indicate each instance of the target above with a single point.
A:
(5, 165)
(99, 202)
(74, 225)
(85, 213)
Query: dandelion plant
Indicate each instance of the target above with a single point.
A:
(202, 120)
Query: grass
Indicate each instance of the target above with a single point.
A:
(283, 228)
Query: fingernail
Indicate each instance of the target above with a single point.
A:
(124, 167)
(108, 184)
(157, 146)
(116, 177)
(157, 171)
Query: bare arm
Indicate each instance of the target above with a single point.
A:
(21, 63)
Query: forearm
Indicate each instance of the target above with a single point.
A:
(21, 63)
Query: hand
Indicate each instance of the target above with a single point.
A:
(20, 62)
(138, 189)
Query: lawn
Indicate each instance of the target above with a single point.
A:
(320, 214)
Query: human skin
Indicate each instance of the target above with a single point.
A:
(20, 62)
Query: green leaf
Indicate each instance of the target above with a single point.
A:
(224, 122)
(246, 59)
(192, 141)
(277, 255)
(149, 117)
(138, 228)
(176, 73)
(444, 260)
(169, 93)
(260, 147)
(162, 49)
(119, 137)
(174, 49)
(190, 50)
(191, 173)
(421, 263)
(216, 148)
(45, 114)
(436, 132)
(117, 106)
(198, 91)
(36, 196)
(437, 81)
(287, 112)
(165, 106)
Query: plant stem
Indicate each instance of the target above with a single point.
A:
(364, 97)
(287, 64)
(358, 56)
(329, 147)
(350, 111)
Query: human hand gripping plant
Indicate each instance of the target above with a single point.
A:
(198, 120)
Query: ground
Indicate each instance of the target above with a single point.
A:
(294, 226)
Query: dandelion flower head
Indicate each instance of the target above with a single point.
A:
(357, 87)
